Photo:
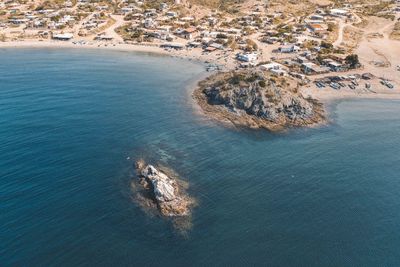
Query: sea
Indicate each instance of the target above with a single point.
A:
(73, 122)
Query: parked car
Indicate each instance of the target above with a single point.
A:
(389, 85)
(335, 86)
(354, 83)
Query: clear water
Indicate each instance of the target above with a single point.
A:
(69, 119)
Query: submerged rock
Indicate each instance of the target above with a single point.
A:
(168, 194)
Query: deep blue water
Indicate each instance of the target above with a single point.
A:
(69, 120)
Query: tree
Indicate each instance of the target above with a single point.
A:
(331, 27)
(221, 36)
(353, 61)
(326, 45)
(262, 83)
(319, 59)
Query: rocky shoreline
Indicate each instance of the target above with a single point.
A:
(251, 99)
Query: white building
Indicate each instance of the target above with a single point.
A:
(63, 36)
(339, 12)
(248, 57)
(271, 66)
(274, 68)
(289, 49)
(149, 23)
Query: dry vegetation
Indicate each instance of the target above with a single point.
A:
(3, 37)
(333, 33)
(351, 38)
(395, 35)
(217, 3)
(295, 7)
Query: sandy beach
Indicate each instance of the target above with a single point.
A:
(325, 95)
(93, 45)
(226, 61)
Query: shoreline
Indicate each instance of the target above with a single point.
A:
(219, 116)
(321, 96)
(286, 110)
(223, 116)
(192, 87)
(99, 46)
(370, 96)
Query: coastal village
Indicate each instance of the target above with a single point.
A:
(330, 48)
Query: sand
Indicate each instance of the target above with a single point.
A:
(379, 56)
(367, 50)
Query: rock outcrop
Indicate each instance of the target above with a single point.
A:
(164, 190)
(249, 98)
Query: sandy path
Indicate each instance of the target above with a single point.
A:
(119, 21)
(385, 50)
(339, 40)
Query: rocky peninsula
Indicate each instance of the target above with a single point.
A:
(162, 192)
(252, 99)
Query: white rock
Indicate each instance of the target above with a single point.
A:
(163, 185)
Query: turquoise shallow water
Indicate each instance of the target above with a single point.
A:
(69, 119)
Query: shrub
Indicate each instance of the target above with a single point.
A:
(353, 61)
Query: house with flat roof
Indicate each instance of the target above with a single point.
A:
(312, 68)
(339, 12)
(247, 57)
(63, 36)
(189, 33)
(333, 65)
(316, 27)
(289, 49)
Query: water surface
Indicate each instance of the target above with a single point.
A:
(70, 119)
